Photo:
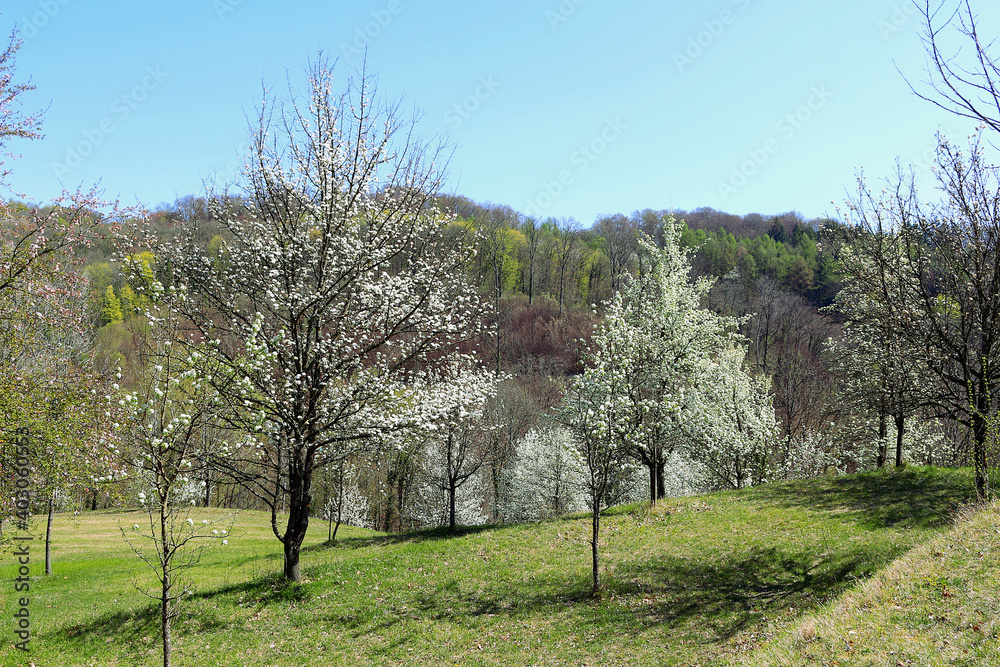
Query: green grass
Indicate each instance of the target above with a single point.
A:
(698, 580)
(935, 606)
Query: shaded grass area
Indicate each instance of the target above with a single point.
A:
(691, 581)
(935, 606)
(915, 497)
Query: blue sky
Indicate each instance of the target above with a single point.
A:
(564, 108)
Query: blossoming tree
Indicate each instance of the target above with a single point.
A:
(734, 424)
(665, 347)
(334, 281)
(161, 418)
(544, 478)
(591, 411)
(664, 373)
(457, 434)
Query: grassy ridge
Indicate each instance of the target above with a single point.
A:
(935, 606)
(693, 581)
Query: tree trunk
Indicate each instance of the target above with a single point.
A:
(451, 507)
(652, 484)
(900, 427)
(657, 485)
(400, 492)
(48, 533)
(165, 586)
(165, 617)
(340, 505)
(980, 431)
(883, 432)
(495, 472)
(531, 278)
(532, 237)
(331, 532)
(595, 533)
(290, 569)
(299, 500)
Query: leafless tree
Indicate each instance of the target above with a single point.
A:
(530, 229)
(932, 273)
(965, 84)
(566, 232)
(493, 227)
(620, 234)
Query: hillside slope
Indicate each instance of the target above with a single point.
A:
(937, 605)
(698, 580)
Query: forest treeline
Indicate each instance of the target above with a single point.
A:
(575, 266)
(555, 270)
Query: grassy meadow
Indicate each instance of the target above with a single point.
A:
(795, 571)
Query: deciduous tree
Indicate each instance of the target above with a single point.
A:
(14, 122)
(456, 433)
(545, 476)
(962, 81)
(331, 284)
(591, 410)
(734, 425)
(932, 273)
(882, 373)
(664, 342)
(161, 421)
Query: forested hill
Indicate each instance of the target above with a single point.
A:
(785, 248)
(572, 266)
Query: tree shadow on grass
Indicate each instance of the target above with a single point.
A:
(914, 497)
(133, 632)
(140, 626)
(705, 601)
(261, 591)
(716, 599)
(412, 537)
